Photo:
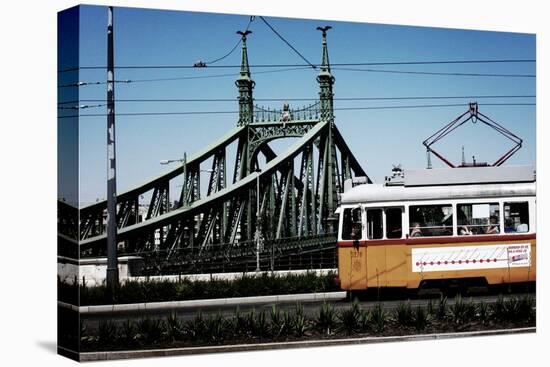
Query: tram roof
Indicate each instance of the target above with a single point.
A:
(453, 183)
(469, 175)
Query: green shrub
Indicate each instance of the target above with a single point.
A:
(365, 320)
(195, 329)
(261, 326)
(482, 312)
(349, 318)
(149, 331)
(107, 333)
(379, 318)
(420, 318)
(299, 321)
(497, 309)
(326, 319)
(281, 323)
(404, 314)
(458, 311)
(441, 310)
(165, 290)
(128, 333)
(215, 328)
(239, 323)
(527, 310)
(174, 327)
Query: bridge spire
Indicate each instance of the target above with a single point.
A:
(326, 81)
(245, 85)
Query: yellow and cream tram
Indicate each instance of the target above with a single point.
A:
(435, 226)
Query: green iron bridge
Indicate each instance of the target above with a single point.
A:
(288, 210)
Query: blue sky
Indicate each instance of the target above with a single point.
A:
(378, 138)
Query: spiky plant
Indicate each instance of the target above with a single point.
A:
(441, 312)
(458, 311)
(107, 333)
(527, 311)
(215, 328)
(174, 327)
(195, 328)
(327, 318)
(261, 326)
(365, 320)
(149, 331)
(349, 318)
(299, 321)
(497, 309)
(420, 318)
(404, 314)
(379, 318)
(128, 333)
(482, 312)
(239, 323)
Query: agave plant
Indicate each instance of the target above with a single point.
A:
(215, 328)
(349, 318)
(261, 325)
(482, 312)
(149, 331)
(279, 322)
(526, 308)
(299, 321)
(107, 333)
(327, 318)
(441, 312)
(498, 309)
(240, 323)
(420, 318)
(458, 311)
(404, 314)
(379, 318)
(174, 327)
(365, 320)
(128, 333)
(195, 329)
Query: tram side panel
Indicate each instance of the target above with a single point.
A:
(507, 260)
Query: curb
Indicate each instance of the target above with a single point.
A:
(113, 355)
(158, 306)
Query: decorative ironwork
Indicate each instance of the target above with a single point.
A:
(297, 196)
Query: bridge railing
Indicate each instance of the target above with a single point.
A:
(310, 112)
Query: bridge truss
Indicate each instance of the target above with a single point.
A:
(286, 205)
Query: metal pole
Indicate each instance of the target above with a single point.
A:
(112, 260)
(258, 221)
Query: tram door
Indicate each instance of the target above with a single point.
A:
(358, 252)
(376, 255)
(385, 264)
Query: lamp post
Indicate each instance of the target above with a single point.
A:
(258, 171)
(183, 161)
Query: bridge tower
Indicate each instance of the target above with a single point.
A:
(327, 170)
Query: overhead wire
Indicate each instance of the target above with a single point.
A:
(437, 73)
(130, 81)
(288, 43)
(304, 99)
(426, 62)
(336, 109)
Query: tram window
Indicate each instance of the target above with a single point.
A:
(516, 217)
(393, 223)
(374, 224)
(431, 220)
(478, 219)
(351, 227)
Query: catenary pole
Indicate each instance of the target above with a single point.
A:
(112, 260)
